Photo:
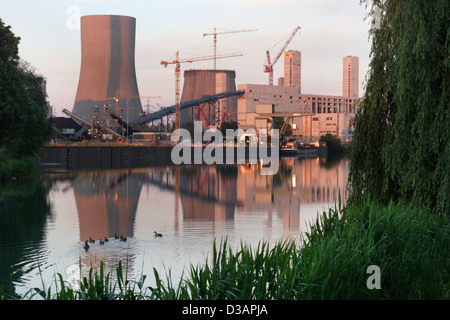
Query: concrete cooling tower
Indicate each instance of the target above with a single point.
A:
(199, 83)
(107, 65)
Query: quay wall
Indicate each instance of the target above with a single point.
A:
(116, 157)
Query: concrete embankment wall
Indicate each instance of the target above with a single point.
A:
(104, 157)
(116, 157)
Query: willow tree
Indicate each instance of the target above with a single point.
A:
(401, 140)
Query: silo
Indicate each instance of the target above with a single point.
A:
(199, 83)
(107, 66)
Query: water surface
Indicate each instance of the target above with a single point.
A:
(44, 223)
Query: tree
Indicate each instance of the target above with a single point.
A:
(23, 124)
(35, 83)
(232, 125)
(401, 140)
(333, 143)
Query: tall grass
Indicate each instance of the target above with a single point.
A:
(410, 246)
(98, 285)
(264, 273)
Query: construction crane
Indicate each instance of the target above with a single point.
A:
(117, 98)
(214, 33)
(269, 66)
(177, 63)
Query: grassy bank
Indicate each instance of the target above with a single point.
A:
(409, 245)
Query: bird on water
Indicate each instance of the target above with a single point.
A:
(157, 234)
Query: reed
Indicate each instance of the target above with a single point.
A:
(264, 273)
(98, 285)
(410, 245)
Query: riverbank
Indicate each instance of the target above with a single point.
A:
(373, 252)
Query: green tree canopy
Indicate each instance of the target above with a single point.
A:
(23, 124)
(333, 143)
(401, 140)
(232, 125)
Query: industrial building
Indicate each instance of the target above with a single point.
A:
(332, 114)
(107, 74)
(108, 77)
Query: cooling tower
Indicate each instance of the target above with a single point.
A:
(107, 66)
(199, 83)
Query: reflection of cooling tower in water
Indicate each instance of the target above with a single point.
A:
(200, 83)
(107, 65)
(107, 204)
(207, 193)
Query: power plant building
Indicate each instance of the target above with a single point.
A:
(332, 114)
(107, 66)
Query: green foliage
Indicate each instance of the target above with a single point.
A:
(21, 167)
(23, 124)
(401, 145)
(334, 145)
(232, 125)
(98, 285)
(35, 83)
(409, 245)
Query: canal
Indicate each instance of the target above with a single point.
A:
(45, 222)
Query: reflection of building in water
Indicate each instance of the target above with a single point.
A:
(107, 203)
(208, 192)
(297, 182)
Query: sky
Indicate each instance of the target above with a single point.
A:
(330, 30)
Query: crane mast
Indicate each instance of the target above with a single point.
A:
(214, 33)
(268, 68)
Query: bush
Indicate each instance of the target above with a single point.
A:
(18, 168)
(335, 148)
